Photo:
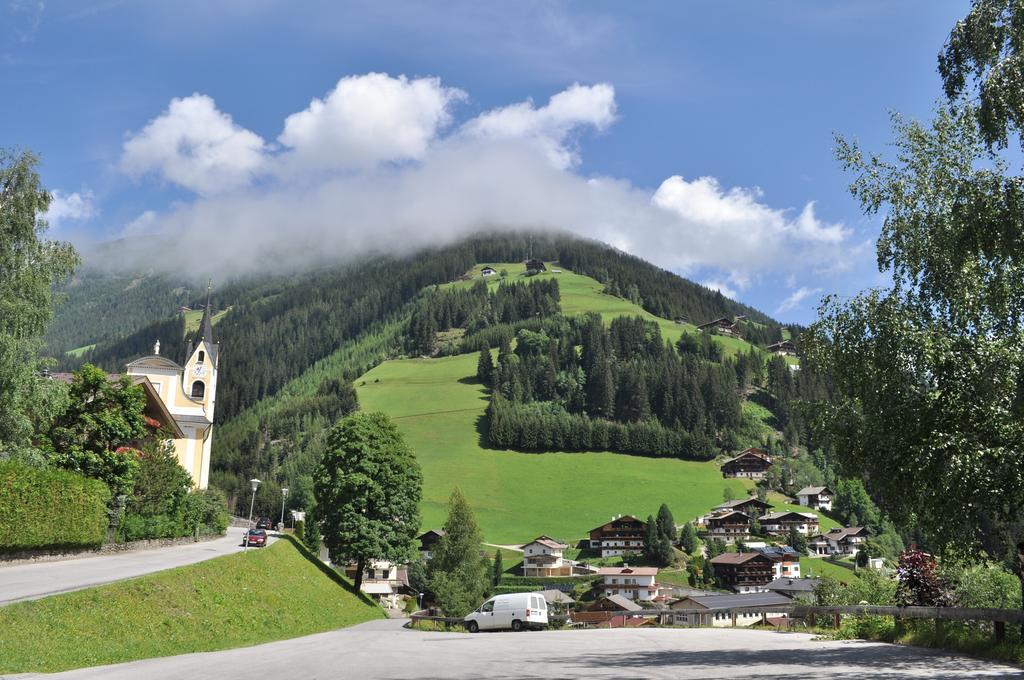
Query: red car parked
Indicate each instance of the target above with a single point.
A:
(257, 538)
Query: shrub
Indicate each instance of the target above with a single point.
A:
(50, 508)
(300, 529)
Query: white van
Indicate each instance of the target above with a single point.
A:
(515, 611)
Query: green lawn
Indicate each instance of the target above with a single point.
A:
(79, 351)
(232, 601)
(438, 406)
(818, 567)
(193, 318)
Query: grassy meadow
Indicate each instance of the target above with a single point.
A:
(232, 601)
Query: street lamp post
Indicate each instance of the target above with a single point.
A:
(284, 495)
(255, 485)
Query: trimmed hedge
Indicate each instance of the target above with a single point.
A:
(50, 508)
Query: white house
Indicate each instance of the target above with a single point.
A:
(817, 497)
(787, 560)
(383, 581)
(487, 272)
(726, 610)
(633, 583)
(840, 541)
(805, 523)
(543, 557)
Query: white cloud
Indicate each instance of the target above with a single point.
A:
(723, 288)
(407, 183)
(551, 125)
(69, 207)
(145, 223)
(368, 119)
(196, 146)
(793, 301)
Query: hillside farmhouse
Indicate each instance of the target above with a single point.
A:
(723, 326)
(752, 506)
(746, 572)
(783, 349)
(817, 497)
(750, 463)
(839, 541)
(543, 557)
(780, 523)
(487, 272)
(730, 525)
(621, 536)
(428, 542)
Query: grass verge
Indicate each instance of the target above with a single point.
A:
(237, 600)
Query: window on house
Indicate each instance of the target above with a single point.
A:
(198, 389)
(202, 356)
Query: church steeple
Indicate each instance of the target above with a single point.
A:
(206, 324)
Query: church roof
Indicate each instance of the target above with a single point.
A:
(156, 361)
(206, 325)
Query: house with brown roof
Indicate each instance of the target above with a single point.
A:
(780, 523)
(723, 326)
(746, 572)
(632, 583)
(750, 463)
(730, 526)
(753, 506)
(428, 542)
(839, 541)
(622, 535)
(783, 349)
(543, 556)
(817, 497)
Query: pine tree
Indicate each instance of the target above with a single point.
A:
(651, 539)
(485, 366)
(499, 568)
(458, 574)
(666, 523)
(689, 538)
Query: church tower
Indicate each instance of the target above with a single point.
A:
(189, 393)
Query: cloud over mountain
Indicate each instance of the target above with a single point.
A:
(379, 164)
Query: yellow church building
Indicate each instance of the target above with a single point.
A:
(189, 394)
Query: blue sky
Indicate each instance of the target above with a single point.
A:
(694, 134)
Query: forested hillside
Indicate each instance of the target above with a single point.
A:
(278, 329)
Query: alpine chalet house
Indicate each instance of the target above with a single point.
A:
(535, 265)
(621, 536)
(428, 542)
(839, 541)
(487, 272)
(632, 583)
(783, 349)
(753, 506)
(180, 399)
(817, 497)
(543, 557)
(731, 525)
(780, 523)
(723, 326)
(746, 572)
(751, 463)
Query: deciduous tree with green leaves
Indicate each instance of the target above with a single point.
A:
(29, 267)
(367, 489)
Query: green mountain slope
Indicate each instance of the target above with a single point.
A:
(439, 407)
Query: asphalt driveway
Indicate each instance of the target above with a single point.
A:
(384, 650)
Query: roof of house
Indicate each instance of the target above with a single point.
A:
(735, 558)
(628, 571)
(729, 505)
(784, 344)
(623, 603)
(547, 542)
(732, 601)
(789, 513)
(716, 322)
(840, 533)
(778, 552)
(728, 514)
(556, 597)
(429, 532)
(622, 518)
(752, 451)
(794, 585)
(813, 490)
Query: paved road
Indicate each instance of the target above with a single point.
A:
(30, 581)
(384, 650)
